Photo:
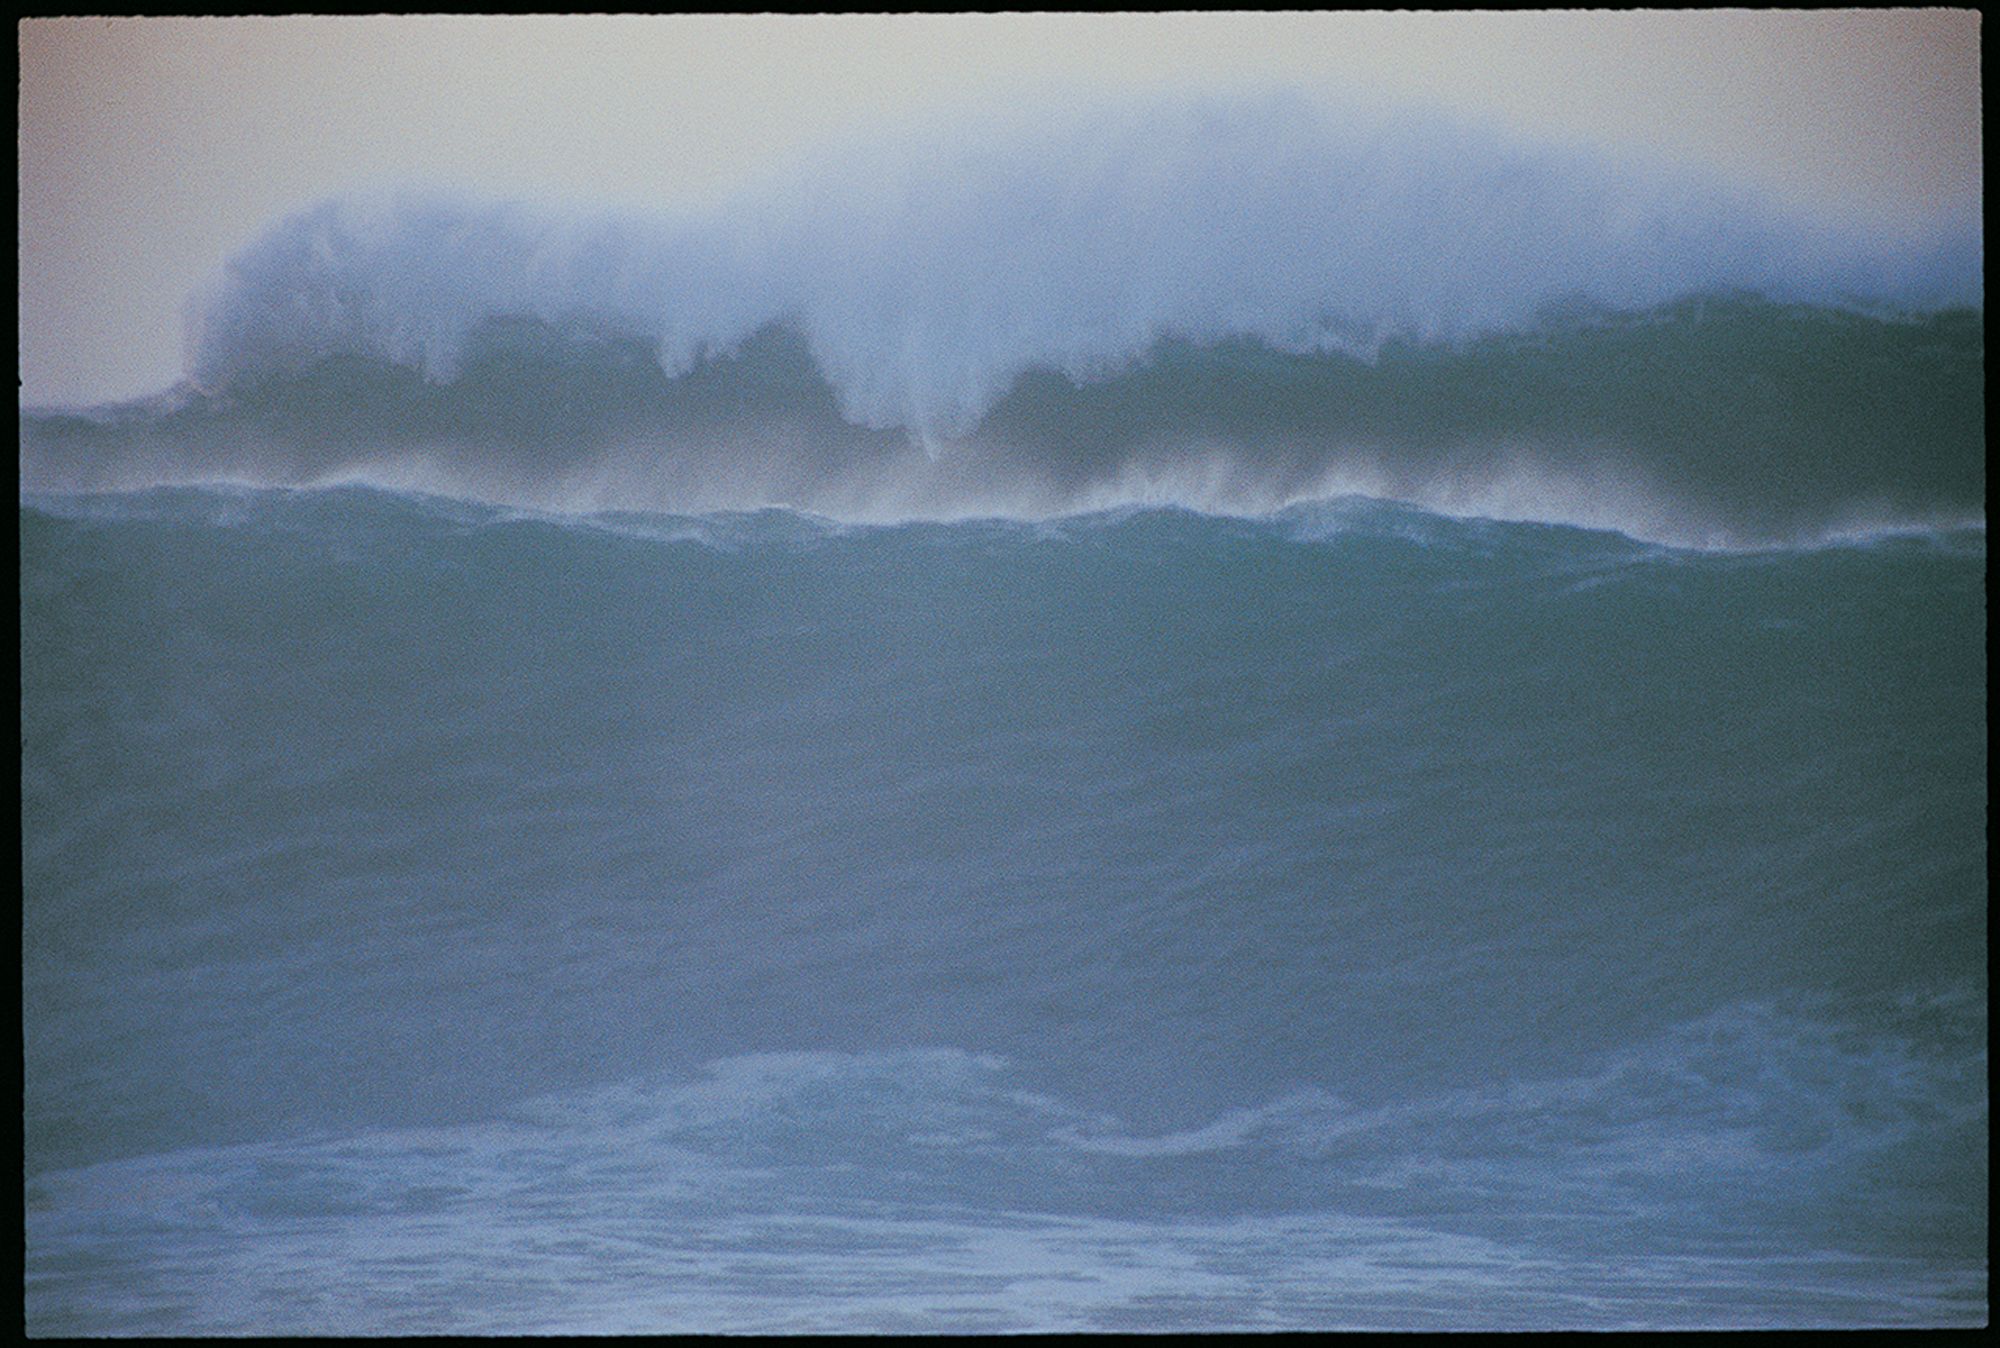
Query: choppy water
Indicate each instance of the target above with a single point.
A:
(440, 917)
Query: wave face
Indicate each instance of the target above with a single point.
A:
(1231, 306)
(1727, 421)
(441, 917)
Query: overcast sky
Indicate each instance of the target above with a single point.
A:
(151, 149)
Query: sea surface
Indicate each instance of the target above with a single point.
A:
(446, 918)
(1229, 726)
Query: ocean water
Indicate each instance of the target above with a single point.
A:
(442, 917)
(563, 794)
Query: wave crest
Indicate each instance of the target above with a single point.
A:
(928, 277)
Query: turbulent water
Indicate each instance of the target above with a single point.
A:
(440, 917)
(1731, 420)
(576, 778)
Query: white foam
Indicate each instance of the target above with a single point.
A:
(928, 275)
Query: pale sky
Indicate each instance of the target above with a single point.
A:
(151, 149)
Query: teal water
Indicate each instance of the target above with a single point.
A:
(444, 917)
(1719, 420)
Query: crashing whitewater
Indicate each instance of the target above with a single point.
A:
(1230, 307)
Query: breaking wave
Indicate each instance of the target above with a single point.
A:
(927, 281)
(1225, 305)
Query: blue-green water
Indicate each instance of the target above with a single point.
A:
(441, 917)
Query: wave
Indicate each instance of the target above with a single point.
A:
(1720, 420)
(927, 278)
(1497, 923)
(1223, 304)
(1297, 791)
